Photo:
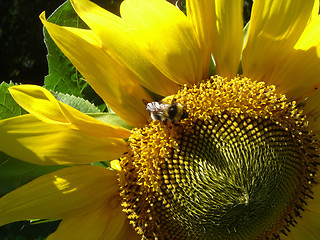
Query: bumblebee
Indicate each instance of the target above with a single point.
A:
(163, 112)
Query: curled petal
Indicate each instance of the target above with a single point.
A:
(42, 104)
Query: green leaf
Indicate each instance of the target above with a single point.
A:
(15, 173)
(24, 230)
(63, 76)
(8, 106)
(76, 102)
(111, 118)
(212, 66)
(245, 35)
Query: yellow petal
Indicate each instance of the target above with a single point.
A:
(308, 226)
(72, 191)
(313, 205)
(302, 232)
(299, 75)
(43, 105)
(30, 139)
(111, 80)
(127, 233)
(227, 36)
(108, 222)
(312, 111)
(315, 10)
(275, 27)
(120, 43)
(219, 27)
(38, 101)
(200, 14)
(167, 37)
(115, 164)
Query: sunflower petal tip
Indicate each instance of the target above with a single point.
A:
(42, 16)
(13, 88)
(115, 165)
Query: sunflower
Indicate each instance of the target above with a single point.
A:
(229, 156)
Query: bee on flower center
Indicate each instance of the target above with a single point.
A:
(163, 112)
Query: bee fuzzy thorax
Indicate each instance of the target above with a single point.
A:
(160, 111)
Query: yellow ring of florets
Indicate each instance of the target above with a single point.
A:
(159, 167)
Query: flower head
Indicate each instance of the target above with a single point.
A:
(230, 156)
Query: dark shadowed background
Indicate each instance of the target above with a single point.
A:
(22, 50)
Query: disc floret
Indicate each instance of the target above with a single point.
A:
(240, 166)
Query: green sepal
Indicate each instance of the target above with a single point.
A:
(8, 106)
(111, 118)
(15, 173)
(76, 102)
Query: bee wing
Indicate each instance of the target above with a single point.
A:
(153, 107)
